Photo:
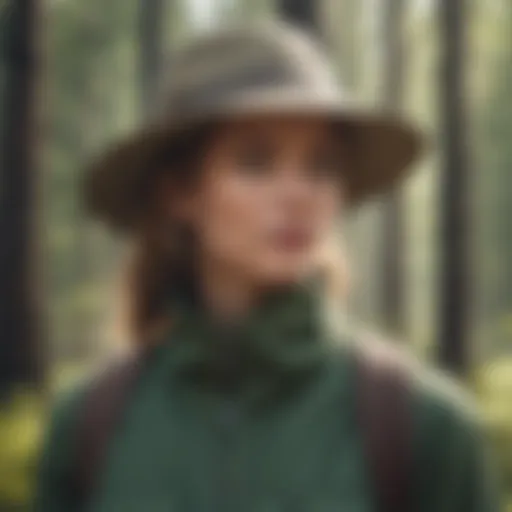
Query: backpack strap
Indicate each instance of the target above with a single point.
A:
(105, 404)
(386, 421)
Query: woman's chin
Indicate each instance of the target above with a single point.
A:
(291, 273)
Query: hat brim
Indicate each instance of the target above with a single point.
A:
(382, 146)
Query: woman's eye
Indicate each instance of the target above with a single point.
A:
(324, 166)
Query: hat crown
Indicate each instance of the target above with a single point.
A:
(265, 68)
(225, 64)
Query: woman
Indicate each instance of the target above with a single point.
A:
(247, 397)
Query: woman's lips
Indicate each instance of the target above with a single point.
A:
(292, 239)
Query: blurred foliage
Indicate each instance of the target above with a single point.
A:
(493, 384)
(20, 431)
(23, 421)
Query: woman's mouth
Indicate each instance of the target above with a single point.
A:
(293, 239)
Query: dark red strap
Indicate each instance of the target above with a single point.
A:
(104, 407)
(386, 421)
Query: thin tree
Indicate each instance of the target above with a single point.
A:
(20, 258)
(350, 51)
(151, 25)
(303, 13)
(454, 202)
(392, 91)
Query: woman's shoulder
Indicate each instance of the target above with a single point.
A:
(59, 450)
(60, 442)
(440, 401)
(444, 406)
(64, 415)
(67, 406)
(441, 396)
(70, 402)
(453, 443)
(94, 396)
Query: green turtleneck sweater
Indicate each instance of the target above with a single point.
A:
(261, 418)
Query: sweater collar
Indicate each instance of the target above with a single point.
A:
(284, 339)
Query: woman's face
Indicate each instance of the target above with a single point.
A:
(266, 197)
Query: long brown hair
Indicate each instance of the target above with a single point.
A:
(161, 250)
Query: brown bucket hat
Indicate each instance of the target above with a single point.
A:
(249, 70)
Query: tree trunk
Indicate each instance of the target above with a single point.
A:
(20, 258)
(351, 10)
(303, 13)
(455, 268)
(392, 73)
(151, 25)
(342, 22)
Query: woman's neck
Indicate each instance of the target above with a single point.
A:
(228, 296)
